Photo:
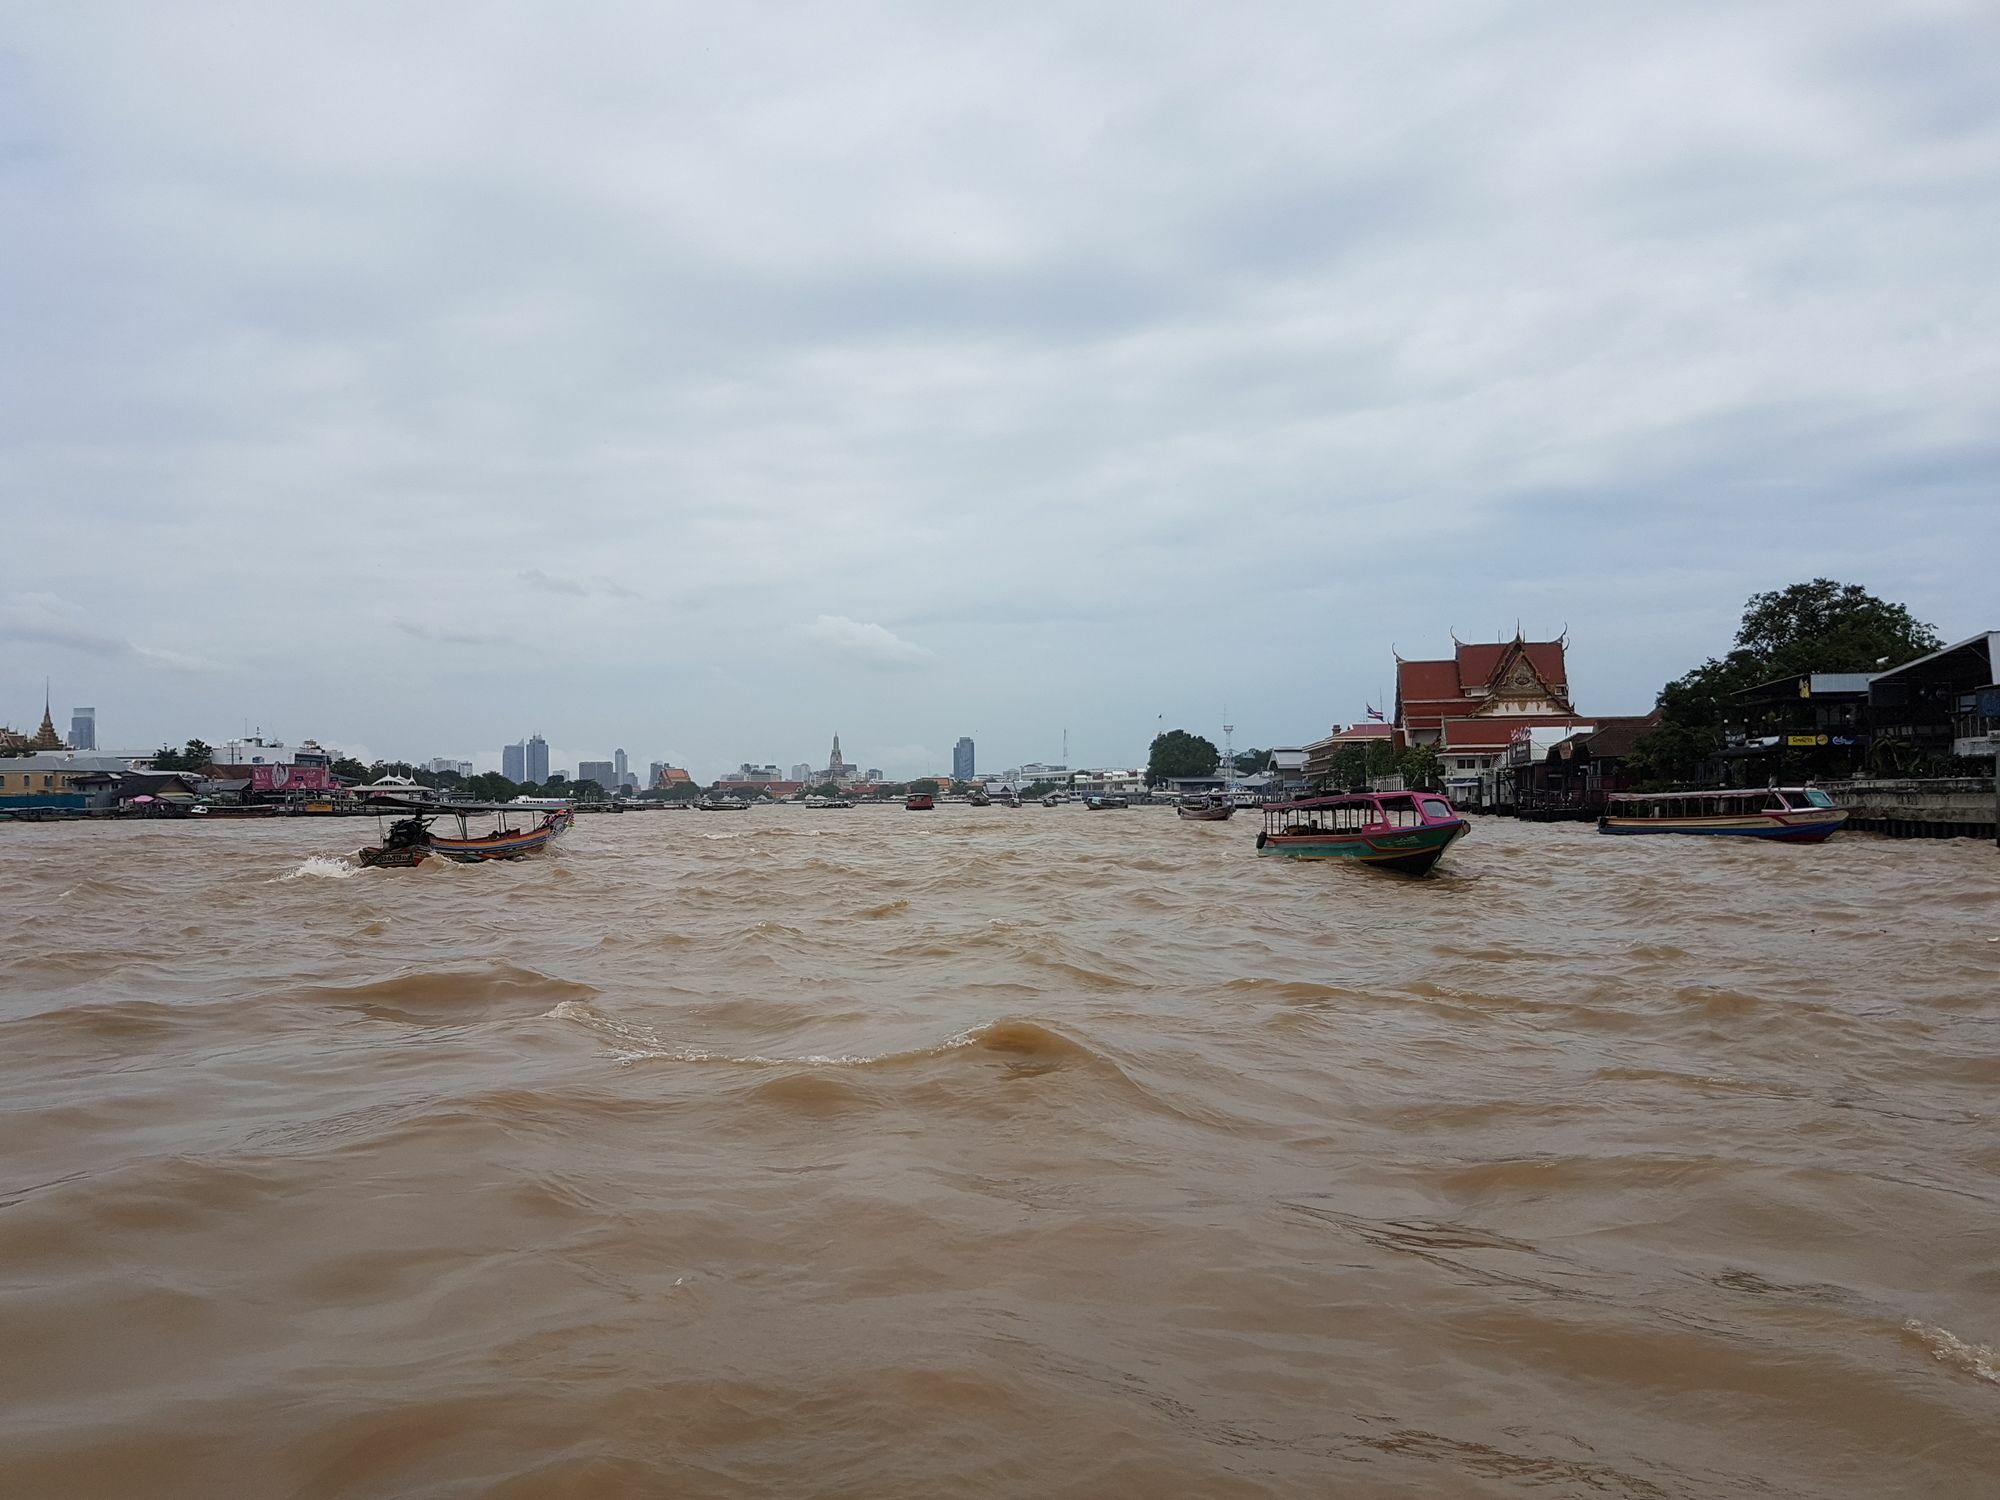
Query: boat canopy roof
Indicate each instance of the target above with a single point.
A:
(441, 809)
(1346, 799)
(1710, 791)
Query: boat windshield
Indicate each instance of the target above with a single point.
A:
(1810, 796)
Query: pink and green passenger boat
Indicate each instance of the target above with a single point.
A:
(1403, 832)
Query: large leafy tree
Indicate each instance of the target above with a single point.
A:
(1350, 766)
(1178, 753)
(1250, 762)
(1421, 767)
(1821, 626)
(196, 755)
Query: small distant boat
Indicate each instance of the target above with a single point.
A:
(410, 841)
(919, 802)
(1405, 832)
(723, 803)
(1789, 814)
(978, 798)
(817, 804)
(1211, 809)
(1106, 802)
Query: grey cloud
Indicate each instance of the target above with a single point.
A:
(866, 643)
(46, 620)
(580, 588)
(449, 636)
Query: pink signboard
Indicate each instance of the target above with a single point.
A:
(291, 779)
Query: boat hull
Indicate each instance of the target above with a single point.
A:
(1206, 814)
(1785, 828)
(1402, 851)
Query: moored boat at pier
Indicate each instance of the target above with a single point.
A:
(1218, 808)
(1789, 814)
(1404, 832)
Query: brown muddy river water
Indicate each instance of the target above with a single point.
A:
(1035, 1152)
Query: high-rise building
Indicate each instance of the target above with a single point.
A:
(514, 762)
(619, 765)
(538, 759)
(802, 772)
(653, 772)
(961, 759)
(83, 729)
(600, 771)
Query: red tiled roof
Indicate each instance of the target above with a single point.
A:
(1496, 731)
(1368, 731)
(1428, 693)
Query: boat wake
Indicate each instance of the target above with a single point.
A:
(1976, 1360)
(322, 867)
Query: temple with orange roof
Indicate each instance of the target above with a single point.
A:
(1468, 705)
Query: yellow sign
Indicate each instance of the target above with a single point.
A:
(1805, 687)
(1805, 741)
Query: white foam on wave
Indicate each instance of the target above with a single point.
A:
(323, 867)
(1976, 1360)
(767, 833)
(631, 1042)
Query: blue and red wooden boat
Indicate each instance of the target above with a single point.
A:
(1788, 814)
(1405, 832)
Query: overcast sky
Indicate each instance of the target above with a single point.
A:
(706, 379)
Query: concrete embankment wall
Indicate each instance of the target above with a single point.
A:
(1959, 808)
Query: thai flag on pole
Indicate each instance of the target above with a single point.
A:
(1377, 715)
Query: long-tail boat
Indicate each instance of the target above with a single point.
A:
(1405, 832)
(410, 841)
(1216, 808)
(1788, 814)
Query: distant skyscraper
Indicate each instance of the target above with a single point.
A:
(618, 765)
(961, 759)
(538, 759)
(83, 729)
(514, 762)
(653, 772)
(600, 771)
(802, 772)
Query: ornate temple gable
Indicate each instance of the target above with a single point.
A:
(1517, 683)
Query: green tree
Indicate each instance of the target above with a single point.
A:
(1420, 767)
(491, 786)
(349, 769)
(826, 789)
(1825, 626)
(1380, 758)
(1821, 626)
(1250, 762)
(1178, 753)
(1350, 766)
